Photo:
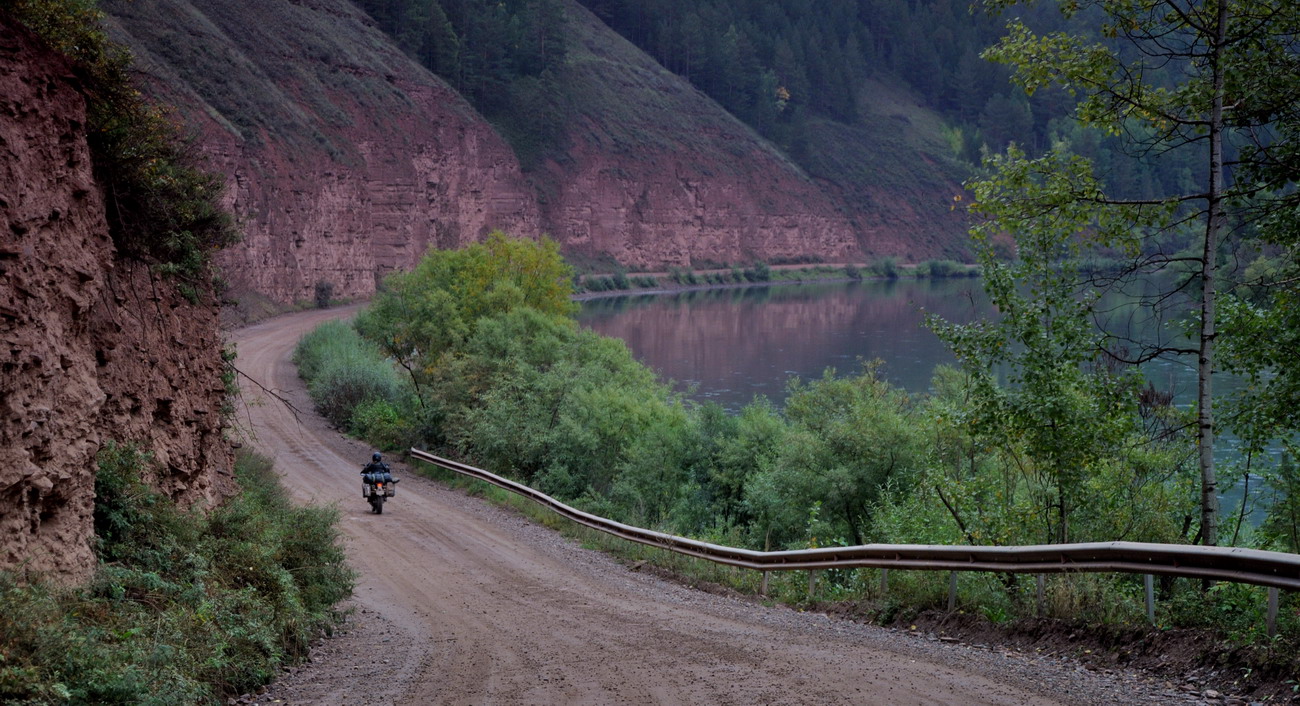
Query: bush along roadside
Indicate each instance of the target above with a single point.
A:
(185, 607)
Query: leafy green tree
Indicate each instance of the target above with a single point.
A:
(422, 315)
(848, 438)
(1066, 419)
(562, 406)
(1164, 76)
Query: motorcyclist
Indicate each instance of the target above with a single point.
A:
(376, 472)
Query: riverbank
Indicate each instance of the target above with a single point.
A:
(600, 285)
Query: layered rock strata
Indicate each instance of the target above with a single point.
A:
(345, 159)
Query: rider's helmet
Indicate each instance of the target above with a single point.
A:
(377, 457)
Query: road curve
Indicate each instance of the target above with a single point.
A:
(462, 603)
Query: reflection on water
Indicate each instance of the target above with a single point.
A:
(728, 345)
(733, 344)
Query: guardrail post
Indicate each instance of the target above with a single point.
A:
(812, 583)
(1272, 612)
(763, 589)
(884, 582)
(952, 591)
(1148, 584)
(1038, 594)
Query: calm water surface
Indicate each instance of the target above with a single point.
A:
(729, 345)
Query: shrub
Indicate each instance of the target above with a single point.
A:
(344, 385)
(938, 269)
(682, 276)
(852, 272)
(760, 272)
(343, 371)
(184, 608)
(886, 268)
(324, 293)
(620, 280)
(380, 422)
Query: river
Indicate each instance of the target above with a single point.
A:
(729, 345)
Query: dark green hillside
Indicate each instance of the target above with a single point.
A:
(781, 65)
(786, 67)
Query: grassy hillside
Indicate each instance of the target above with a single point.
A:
(893, 167)
(189, 47)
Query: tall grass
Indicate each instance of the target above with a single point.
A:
(344, 370)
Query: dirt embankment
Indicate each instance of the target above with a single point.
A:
(95, 348)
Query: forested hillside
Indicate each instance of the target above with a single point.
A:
(785, 67)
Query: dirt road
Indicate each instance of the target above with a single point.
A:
(460, 602)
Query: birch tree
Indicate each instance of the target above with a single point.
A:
(1214, 77)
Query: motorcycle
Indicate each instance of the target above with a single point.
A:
(377, 489)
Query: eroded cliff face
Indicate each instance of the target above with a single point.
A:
(662, 175)
(345, 159)
(95, 348)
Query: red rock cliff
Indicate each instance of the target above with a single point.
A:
(659, 174)
(345, 159)
(95, 348)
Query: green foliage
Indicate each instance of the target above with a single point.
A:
(383, 423)
(940, 269)
(682, 276)
(1281, 529)
(848, 438)
(886, 268)
(1217, 108)
(1064, 424)
(421, 315)
(161, 207)
(184, 608)
(324, 293)
(553, 402)
(343, 371)
(1261, 334)
(759, 272)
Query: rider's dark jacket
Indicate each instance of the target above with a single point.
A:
(376, 472)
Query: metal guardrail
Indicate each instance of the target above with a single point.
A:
(1276, 570)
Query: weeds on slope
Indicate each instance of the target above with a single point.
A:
(184, 607)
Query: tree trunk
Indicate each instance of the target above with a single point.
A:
(1213, 222)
